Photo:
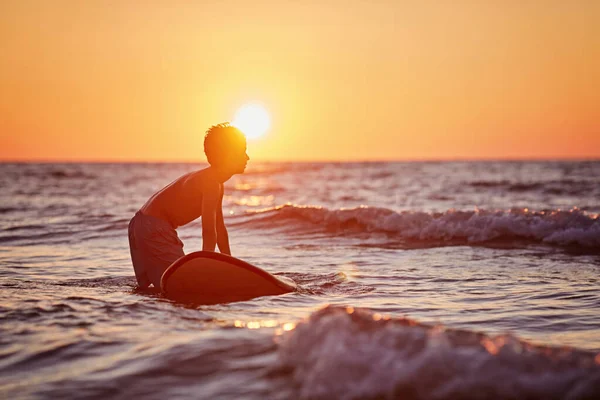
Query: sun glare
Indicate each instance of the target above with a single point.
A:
(253, 120)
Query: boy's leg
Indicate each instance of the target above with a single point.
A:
(138, 267)
(158, 247)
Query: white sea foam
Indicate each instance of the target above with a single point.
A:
(344, 353)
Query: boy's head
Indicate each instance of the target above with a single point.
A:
(225, 148)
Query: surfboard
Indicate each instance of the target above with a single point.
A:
(206, 277)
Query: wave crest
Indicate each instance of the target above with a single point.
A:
(557, 227)
(347, 353)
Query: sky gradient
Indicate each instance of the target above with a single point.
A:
(396, 80)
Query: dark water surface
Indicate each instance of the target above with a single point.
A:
(418, 280)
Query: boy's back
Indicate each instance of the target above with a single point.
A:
(180, 202)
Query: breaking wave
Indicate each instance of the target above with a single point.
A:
(556, 227)
(345, 353)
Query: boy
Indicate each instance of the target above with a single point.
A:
(153, 241)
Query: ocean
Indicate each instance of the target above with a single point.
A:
(418, 280)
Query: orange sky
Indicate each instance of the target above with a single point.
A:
(342, 80)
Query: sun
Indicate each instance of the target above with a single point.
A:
(253, 120)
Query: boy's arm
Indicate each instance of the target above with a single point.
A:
(222, 236)
(210, 203)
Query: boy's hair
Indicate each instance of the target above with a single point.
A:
(219, 139)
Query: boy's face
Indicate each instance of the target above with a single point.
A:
(238, 158)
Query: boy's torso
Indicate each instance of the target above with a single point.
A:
(180, 202)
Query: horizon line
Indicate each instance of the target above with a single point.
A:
(317, 161)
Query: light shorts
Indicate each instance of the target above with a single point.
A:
(154, 245)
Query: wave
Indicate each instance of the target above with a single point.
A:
(342, 352)
(556, 227)
(556, 187)
(68, 172)
(7, 210)
(331, 284)
(62, 233)
(274, 168)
